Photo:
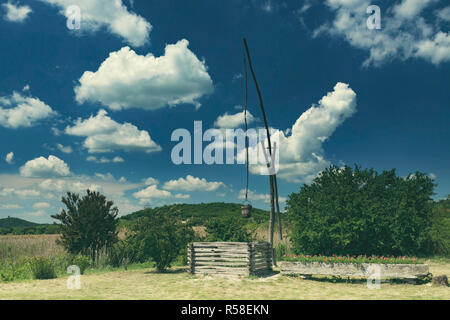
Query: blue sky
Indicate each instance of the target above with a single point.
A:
(95, 107)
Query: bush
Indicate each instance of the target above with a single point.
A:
(161, 236)
(119, 255)
(440, 228)
(227, 229)
(82, 262)
(42, 268)
(355, 211)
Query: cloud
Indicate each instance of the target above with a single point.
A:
(106, 177)
(443, 14)
(22, 111)
(112, 15)
(67, 149)
(10, 206)
(42, 167)
(127, 80)
(233, 120)
(41, 205)
(16, 13)
(23, 190)
(4, 192)
(106, 135)
(191, 183)
(301, 154)
(116, 159)
(151, 181)
(10, 157)
(152, 192)
(267, 6)
(254, 196)
(405, 32)
(38, 213)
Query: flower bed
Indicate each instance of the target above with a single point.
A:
(353, 259)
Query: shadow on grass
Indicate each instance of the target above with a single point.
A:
(168, 271)
(335, 279)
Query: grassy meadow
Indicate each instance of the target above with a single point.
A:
(143, 282)
(178, 284)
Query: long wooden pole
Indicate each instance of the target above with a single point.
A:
(271, 180)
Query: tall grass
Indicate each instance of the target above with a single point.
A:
(17, 247)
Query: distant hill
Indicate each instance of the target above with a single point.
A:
(202, 211)
(16, 222)
(19, 226)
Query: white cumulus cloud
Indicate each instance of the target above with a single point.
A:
(106, 135)
(127, 80)
(233, 120)
(110, 14)
(20, 111)
(301, 154)
(42, 167)
(191, 183)
(152, 192)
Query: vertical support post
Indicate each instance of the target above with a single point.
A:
(280, 230)
(191, 255)
(251, 259)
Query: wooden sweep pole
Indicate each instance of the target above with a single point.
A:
(271, 177)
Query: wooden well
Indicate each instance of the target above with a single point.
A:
(230, 258)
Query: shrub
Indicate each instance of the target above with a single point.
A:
(119, 254)
(42, 268)
(440, 228)
(359, 211)
(227, 229)
(82, 262)
(161, 236)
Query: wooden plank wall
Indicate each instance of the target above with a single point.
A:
(229, 258)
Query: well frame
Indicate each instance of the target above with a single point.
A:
(230, 258)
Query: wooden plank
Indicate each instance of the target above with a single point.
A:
(221, 268)
(236, 259)
(220, 244)
(215, 263)
(225, 250)
(220, 253)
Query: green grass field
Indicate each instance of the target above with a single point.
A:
(178, 284)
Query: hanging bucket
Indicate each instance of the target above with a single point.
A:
(246, 210)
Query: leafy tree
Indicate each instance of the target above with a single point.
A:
(159, 236)
(227, 229)
(440, 229)
(88, 224)
(356, 211)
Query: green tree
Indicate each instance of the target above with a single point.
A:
(227, 229)
(161, 236)
(88, 225)
(356, 211)
(440, 228)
